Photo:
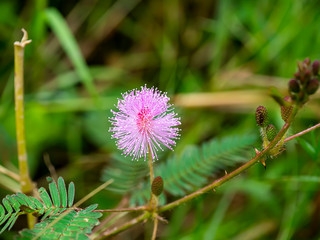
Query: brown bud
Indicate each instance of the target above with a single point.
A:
(306, 77)
(157, 186)
(294, 86)
(315, 67)
(307, 61)
(262, 116)
(312, 86)
(297, 75)
(286, 112)
(271, 132)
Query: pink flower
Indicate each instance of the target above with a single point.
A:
(144, 122)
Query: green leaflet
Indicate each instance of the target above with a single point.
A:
(72, 225)
(49, 205)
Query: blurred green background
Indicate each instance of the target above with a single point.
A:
(216, 60)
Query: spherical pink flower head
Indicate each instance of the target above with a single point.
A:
(145, 121)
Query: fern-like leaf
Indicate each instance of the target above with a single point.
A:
(191, 170)
(71, 225)
(50, 204)
(125, 173)
(195, 165)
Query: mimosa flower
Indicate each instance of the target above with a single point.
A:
(144, 123)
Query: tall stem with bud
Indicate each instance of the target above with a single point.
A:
(25, 180)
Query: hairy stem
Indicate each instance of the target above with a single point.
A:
(302, 132)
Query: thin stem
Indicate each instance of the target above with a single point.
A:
(302, 132)
(94, 192)
(150, 165)
(153, 199)
(136, 209)
(9, 173)
(25, 181)
(155, 227)
(125, 226)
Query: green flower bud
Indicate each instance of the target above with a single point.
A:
(157, 186)
(262, 116)
(312, 86)
(271, 132)
(286, 112)
(294, 86)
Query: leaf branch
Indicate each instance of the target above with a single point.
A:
(217, 182)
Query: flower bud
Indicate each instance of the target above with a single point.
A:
(271, 132)
(315, 67)
(312, 86)
(286, 112)
(307, 61)
(262, 116)
(157, 186)
(294, 86)
(306, 77)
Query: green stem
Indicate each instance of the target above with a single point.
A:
(153, 198)
(150, 165)
(26, 183)
(25, 180)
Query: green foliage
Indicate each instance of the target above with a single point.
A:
(70, 225)
(126, 174)
(207, 47)
(68, 42)
(59, 219)
(184, 173)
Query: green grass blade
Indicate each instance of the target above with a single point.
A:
(70, 46)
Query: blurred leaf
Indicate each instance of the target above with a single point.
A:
(310, 150)
(69, 44)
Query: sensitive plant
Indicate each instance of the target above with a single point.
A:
(143, 124)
